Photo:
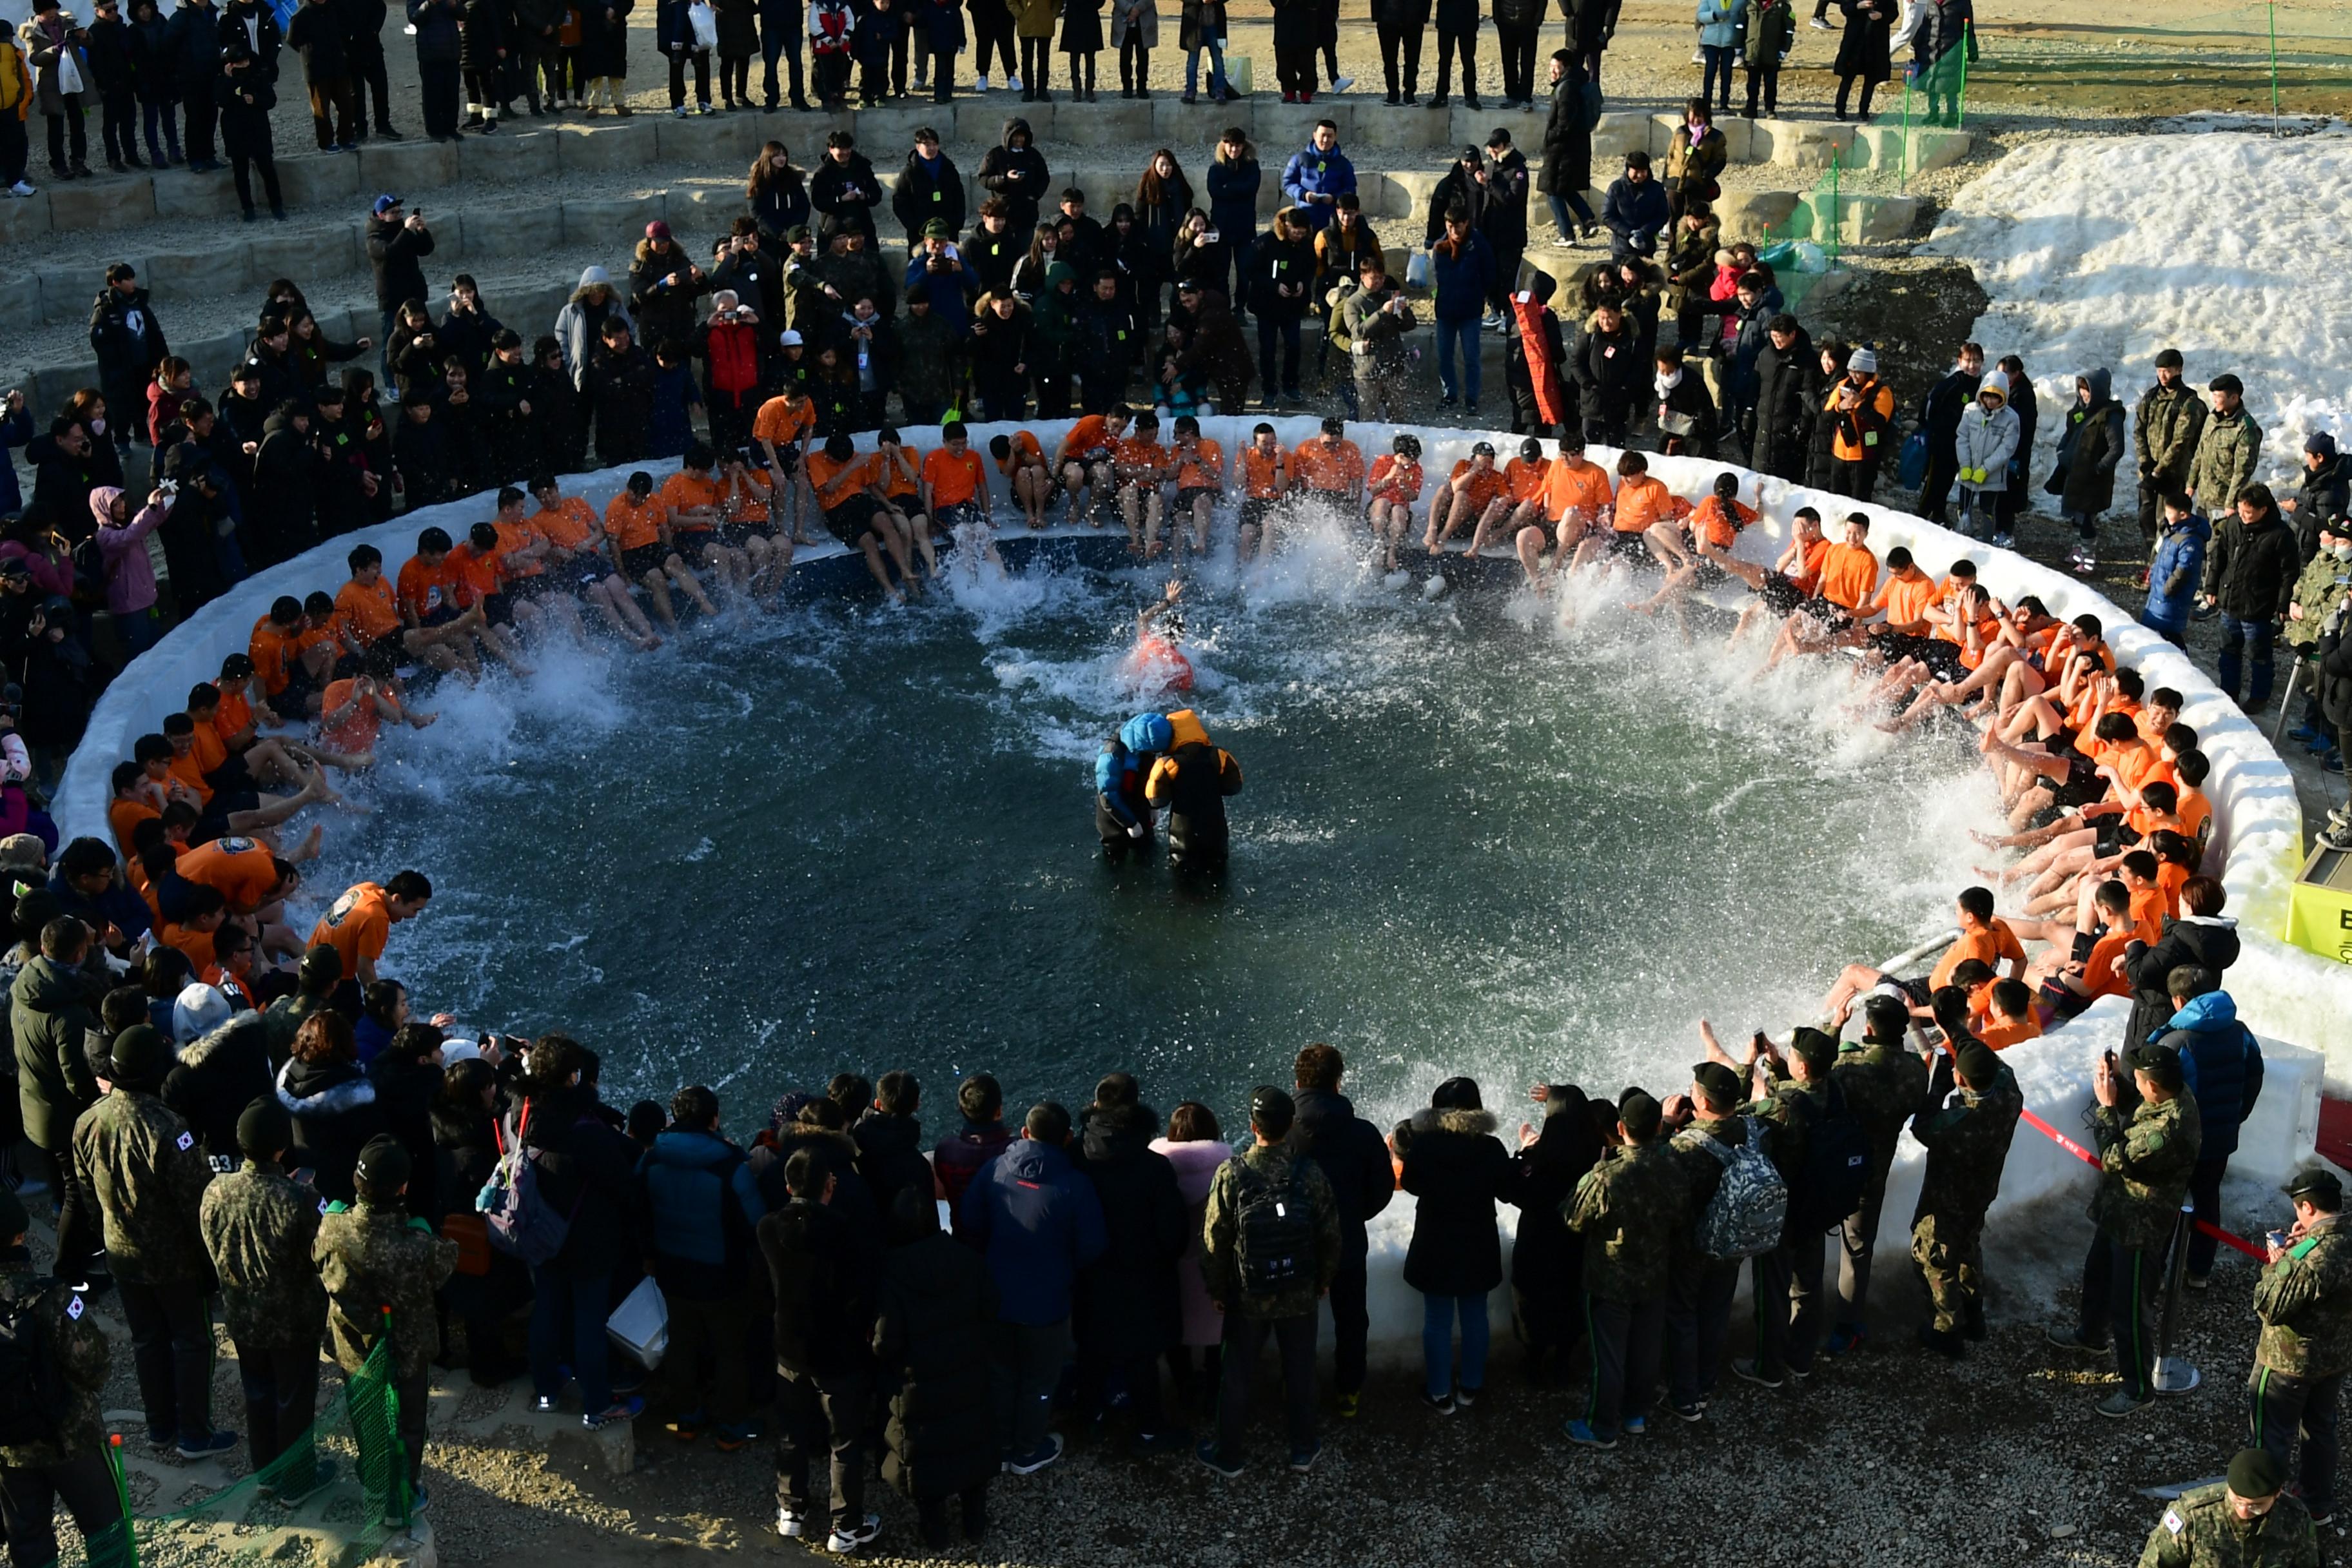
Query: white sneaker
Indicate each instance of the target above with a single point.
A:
(1820, 24)
(1012, 84)
(850, 1541)
(21, 189)
(2004, 541)
(980, 82)
(1341, 84)
(790, 1525)
(1698, 57)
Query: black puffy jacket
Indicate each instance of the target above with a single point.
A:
(2250, 568)
(1456, 1166)
(936, 1306)
(1354, 1158)
(1126, 1303)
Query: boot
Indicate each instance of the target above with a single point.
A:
(134, 159)
(1972, 1322)
(81, 169)
(1950, 1346)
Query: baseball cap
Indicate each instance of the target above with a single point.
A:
(384, 1165)
(938, 229)
(385, 203)
(788, 338)
(657, 230)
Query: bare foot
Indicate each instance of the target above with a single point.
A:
(1642, 606)
(311, 842)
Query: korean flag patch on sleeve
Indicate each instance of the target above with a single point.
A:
(75, 1307)
(2173, 1521)
(187, 1141)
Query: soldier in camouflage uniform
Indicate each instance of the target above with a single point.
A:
(1699, 1289)
(1627, 1208)
(70, 1468)
(1883, 1082)
(2145, 1161)
(141, 1165)
(1966, 1141)
(375, 1257)
(1794, 1092)
(2248, 1522)
(1289, 1314)
(258, 1225)
(2304, 1301)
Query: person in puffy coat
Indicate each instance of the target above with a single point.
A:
(1456, 1167)
(129, 574)
(1696, 158)
(1567, 149)
(2094, 442)
(2221, 1066)
(2200, 935)
(1982, 444)
(323, 1087)
(1547, 1258)
(1463, 266)
(1783, 415)
(2250, 575)
(1770, 31)
(1126, 1312)
(1195, 1148)
(2174, 570)
(935, 1314)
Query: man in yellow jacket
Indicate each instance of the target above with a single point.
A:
(1191, 781)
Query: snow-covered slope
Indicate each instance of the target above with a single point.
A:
(2103, 250)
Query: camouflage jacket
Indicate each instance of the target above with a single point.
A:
(1884, 1086)
(2304, 1300)
(1628, 1208)
(1968, 1143)
(146, 1172)
(1789, 1109)
(71, 1337)
(258, 1225)
(1220, 1254)
(374, 1257)
(2199, 1532)
(2144, 1162)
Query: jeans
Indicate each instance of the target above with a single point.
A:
(85, 1484)
(170, 1329)
(2120, 1287)
(2205, 1195)
(281, 1384)
(2236, 636)
(161, 127)
(824, 1413)
(776, 44)
(1246, 1337)
(1216, 68)
(1720, 58)
(1437, 1314)
(1027, 1368)
(567, 1320)
(1268, 328)
(1464, 335)
(1561, 205)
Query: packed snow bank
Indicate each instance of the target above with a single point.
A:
(2104, 250)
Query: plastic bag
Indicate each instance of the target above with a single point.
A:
(1417, 270)
(705, 22)
(1779, 256)
(1911, 468)
(640, 1324)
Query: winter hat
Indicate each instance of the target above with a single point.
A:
(1863, 361)
(592, 277)
(938, 228)
(788, 338)
(198, 1011)
(2321, 444)
(2230, 383)
(383, 1167)
(264, 1131)
(140, 1058)
(657, 230)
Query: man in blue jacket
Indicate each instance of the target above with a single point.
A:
(1314, 179)
(2222, 1063)
(1037, 1221)
(706, 1208)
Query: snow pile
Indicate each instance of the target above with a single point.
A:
(2105, 250)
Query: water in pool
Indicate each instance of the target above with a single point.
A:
(1474, 839)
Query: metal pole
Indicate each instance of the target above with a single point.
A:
(2274, 85)
(2286, 697)
(2173, 1375)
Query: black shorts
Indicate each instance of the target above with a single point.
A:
(788, 460)
(1942, 658)
(1914, 989)
(1256, 509)
(533, 588)
(584, 569)
(295, 695)
(1706, 575)
(692, 541)
(440, 614)
(1899, 646)
(2082, 785)
(1185, 494)
(853, 520)
(1633, 546)
(2063, 1001)
(1336, 499)
(955, 514)
(1781, 596)
(641, 561)
(498, 609)
(1834, 619)
(231, 775)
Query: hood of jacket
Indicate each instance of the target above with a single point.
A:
(2210, 1014)
(1027, 1160)
(1468, 1123)
(1997, 381)
(277, 424)
(1116, 1134)
(691, 1149)
(1016, 126)
(1147, 733)
(1186, 729)
(245, 1028)
(2100, 381)
(322, 1088)
(101, 505)
(2195, 527)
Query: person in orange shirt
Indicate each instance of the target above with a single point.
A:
(202, 911)
(567, 527)
(1693, 552)
(1575, 494)
(691, 497)
(855, 512)
(1641, 501)
(2070, 984)
(1841, 604)
(223, 793)
(1198, 466)
(367, 613)
(1329, 468)
(478, 581)
(1139, 467)
(784, 428)
(898, 474)
(256, 882)
(637, 526)
(1022, 461)
(135, 801)
(270, 761)
(352, 710)
(522, 555)
(272, 646)
(1266, 481)
(1524, 479)
(439, 629)
(952, 494)
(2009, 1015)
(1390, 492)
(1983, 937)
(747, 525)
(1084, 459)
(357, 924)
(1475, 493)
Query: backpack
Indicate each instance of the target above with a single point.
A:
(1590, 104)
(32, 1394)
(1836, 1167)
(522, 1223)
(1274, 1236)
(1750, 1203)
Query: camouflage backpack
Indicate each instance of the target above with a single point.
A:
(1751, 1203)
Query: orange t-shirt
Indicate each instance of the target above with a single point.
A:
(1202, 469)
(1023, 445)
(1712, 524)
(269, 648)
(1261, 474)
(1394, 480)
(368, 613)
(781, 421)
(1135, 453)
(954, 476)
(196, 944)
(1573, 482)
(683, 492)
(315, 637)
(1987, 636)
(2147, 911)
(569, 527)
(893, 479)
(513, 537)
(1993, 944)
(750, 505)
(2168, 880)
(2196, 813)
(1525, 480)
(1481, 488)
(1088, 433)
(355, 926)
(1644, 499)
(191, 772)
(631, 524)
(1810, 558)
(242, 871)
(2099, 975)
(1905, 597)
(823, 470)
(473, 575)
(1849, 572)
(1336, 468)
(124, 817)
(356, 734)
(2000, 1036)
(236, 714)
(425, 589)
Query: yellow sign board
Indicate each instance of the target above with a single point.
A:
(2319, 913)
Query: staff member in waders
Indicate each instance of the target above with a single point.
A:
(1191, 780)
(1532, 352)
(1122, 814)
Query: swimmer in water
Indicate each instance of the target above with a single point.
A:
(1157, 662)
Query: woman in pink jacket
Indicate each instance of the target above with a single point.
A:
(1194, 1148)
(129, 574)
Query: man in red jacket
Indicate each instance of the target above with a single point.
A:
(728, 346)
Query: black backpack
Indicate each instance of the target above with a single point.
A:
(1274, 1236)
(1836, 1166)
(32, 1392)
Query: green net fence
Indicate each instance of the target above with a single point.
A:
(347, 1477)
(1809, 240)
(1937, 94)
